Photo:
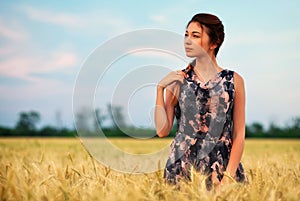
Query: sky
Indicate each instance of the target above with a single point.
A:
(44, 45)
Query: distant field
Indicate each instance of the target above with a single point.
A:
(61, 169)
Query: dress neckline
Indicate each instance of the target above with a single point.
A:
(211, 83)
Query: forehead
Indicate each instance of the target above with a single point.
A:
(194, 26)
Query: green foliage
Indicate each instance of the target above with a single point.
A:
(27, 126)
(292, 130)
(5, 132)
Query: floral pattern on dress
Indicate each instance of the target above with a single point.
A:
(203, 139)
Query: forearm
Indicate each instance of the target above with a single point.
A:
(160, 116)
(164, 109)
(236, 154)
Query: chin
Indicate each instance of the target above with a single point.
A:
(188, 54)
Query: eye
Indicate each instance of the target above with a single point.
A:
(185, 35)
(196, 36)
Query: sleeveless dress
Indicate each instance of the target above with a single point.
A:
(203, 140)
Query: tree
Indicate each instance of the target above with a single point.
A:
(84, 120)
(26, 124)
(293, 129)
(99, 118)
(274, 130)
(296, 124)
(58, 119)
(116, 116)
(256, 127)
(49, 131)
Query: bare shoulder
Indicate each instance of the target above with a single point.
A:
(237, 77)
(238, 80)
(173, 87)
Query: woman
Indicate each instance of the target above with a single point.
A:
(209, 104)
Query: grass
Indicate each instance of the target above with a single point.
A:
(61, 169)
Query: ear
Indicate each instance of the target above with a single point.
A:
(213, 46)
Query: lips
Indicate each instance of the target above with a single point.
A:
(187, 49)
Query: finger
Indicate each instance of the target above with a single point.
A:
(181, 75)
(180, 72)
(180, 78)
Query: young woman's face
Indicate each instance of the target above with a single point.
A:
(196, 40)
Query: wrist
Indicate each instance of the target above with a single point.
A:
(227, 173)
(160, 88)
(228, 177)
(230, 170)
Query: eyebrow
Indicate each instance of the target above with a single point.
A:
(194, 32)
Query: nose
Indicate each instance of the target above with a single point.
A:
(187, 41)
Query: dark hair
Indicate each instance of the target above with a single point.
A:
(215, 28)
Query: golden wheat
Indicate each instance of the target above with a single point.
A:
(61, 169)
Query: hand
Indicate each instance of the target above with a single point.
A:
(227, 178)
(219, 184)
(224, 181)
(172, 77)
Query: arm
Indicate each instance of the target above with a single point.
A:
(238, 126)
(164, 112)
(164, 108)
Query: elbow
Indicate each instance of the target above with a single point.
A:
(162, 134)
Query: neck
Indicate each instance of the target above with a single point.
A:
(206, 67)
(206, 63)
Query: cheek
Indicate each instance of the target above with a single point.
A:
(203, 44)
(198, 48)
(198, 42)
(205, 41)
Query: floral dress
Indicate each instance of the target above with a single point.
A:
(204, 115)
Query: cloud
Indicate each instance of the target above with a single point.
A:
(160, 19)
(93, 21)
(264, 37)
(60, 60)
(6, 50)
(24, 66)
(42, 15)
(12, 31)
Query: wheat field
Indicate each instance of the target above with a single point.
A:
(61, 169)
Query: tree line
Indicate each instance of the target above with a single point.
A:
(89, 121)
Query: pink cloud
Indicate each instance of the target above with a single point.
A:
(62, 19)
(89, 22)
(23, 66)
(12, 31)
(64, 60)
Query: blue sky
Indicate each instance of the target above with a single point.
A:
(43, 45)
